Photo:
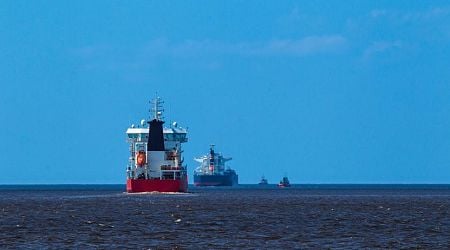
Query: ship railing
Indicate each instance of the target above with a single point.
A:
(172, 175)
(171, 168)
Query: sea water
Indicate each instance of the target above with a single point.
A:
(243, 217)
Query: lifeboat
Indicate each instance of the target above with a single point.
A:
(140, 158)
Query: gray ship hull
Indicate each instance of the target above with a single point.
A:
(216, 180)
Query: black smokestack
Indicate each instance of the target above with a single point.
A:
(155, 136)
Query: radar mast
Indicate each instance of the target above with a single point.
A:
(157, 108)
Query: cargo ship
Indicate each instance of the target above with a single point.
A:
(155, 163)
(263, 181)
(213, 172)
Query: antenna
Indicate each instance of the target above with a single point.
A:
(157, 108)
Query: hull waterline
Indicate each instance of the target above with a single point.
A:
(139, 186)
(215, 180)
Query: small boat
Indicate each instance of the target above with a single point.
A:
(284, 182)
(263, 181)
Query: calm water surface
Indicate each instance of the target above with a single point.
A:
(246, 217)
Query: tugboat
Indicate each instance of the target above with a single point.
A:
(212, 171)
(155, 163)
(284, 182)
(263, 181)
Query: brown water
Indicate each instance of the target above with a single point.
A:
(246, 217)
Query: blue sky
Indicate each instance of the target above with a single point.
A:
(324, 91)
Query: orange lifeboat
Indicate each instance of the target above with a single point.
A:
(140, 158)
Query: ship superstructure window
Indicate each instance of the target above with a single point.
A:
(175, 137)
(140, 147)
(168, 137)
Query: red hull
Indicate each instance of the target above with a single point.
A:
(137, 186)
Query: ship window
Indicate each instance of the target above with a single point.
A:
(169, 137)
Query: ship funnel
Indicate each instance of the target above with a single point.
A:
(155, 134)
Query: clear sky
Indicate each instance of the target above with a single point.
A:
(323, 91)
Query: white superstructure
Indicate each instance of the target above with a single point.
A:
(211, 164)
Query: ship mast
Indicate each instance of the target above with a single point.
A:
(211, 159)
(157, 108)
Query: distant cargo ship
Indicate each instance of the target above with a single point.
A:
(212, 171)
(263, 181)
(155, 162)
